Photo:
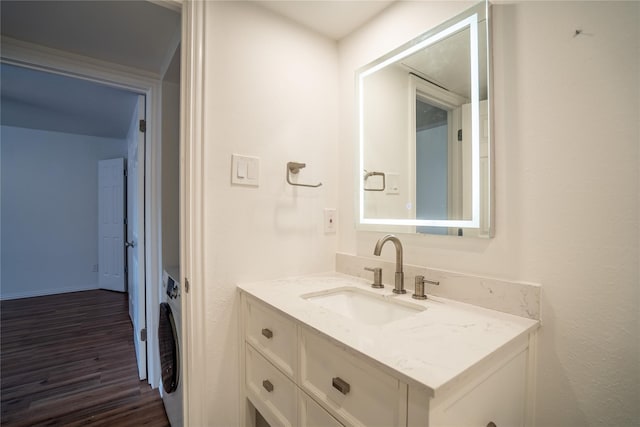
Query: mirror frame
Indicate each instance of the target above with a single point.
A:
(472, 18)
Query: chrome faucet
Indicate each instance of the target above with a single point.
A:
(399, 285)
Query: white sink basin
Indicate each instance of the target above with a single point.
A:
(363, 306)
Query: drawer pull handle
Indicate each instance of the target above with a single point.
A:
(491, 424)
(341, 385)
(267, 385)
(267, 333)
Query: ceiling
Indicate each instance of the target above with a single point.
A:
(46, 101)
(112, 31)
(105, 30)
(447, 63)
(331, 18)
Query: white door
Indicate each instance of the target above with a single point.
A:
(111, 225)
(135, 236)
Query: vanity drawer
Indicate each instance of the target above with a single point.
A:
(499, 399)
(272, 334)
(313, 415)
(356, 392)
(272, 393)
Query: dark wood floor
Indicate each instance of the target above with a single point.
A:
(69, 360)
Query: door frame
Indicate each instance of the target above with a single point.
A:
(29, 55)
(194, 343)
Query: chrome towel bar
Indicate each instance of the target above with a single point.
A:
(368, 174)
(294, 168)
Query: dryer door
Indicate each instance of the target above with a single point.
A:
(169, 356)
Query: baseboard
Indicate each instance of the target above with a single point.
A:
(43, 292)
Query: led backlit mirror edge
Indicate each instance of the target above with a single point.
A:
(470, 18)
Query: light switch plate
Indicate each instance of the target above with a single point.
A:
(245, 170)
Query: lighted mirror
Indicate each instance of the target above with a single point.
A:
(424, 132)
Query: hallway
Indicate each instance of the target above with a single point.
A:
(68, 359)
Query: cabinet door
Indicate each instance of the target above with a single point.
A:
(356, 392)
(499, 399)
(272, 393)
(313, 415)
(272, 334)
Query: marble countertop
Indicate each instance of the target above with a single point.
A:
(431, 349)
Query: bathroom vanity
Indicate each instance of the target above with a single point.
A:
(328, 350)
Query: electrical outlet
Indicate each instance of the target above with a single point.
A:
(330, 220)
(393, 180)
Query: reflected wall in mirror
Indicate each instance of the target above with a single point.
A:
(424, 132)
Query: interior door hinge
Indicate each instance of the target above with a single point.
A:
(459, 134)
(186, 285)
(143, 125)
(143, 334)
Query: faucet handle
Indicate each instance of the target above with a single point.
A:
(419, 287)
(377, 277)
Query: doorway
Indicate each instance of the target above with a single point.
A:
(64, 144)
(432, 155)
(108, 43)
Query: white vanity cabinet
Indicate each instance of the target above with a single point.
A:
(272, 334)
(271, 352)
(313, 415)
(296, 375)
(269, 389)
(495, 395)
(354, 390)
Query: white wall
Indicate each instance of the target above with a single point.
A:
(270, 92)
(50, 210)
(171, 169)
(567, 189)
(387, 140)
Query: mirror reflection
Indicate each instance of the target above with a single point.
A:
(424, 132)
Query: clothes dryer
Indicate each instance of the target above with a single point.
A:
(170, 343)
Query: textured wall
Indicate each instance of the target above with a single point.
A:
(567, 190)
(387, 136)
(571, 108)
(50, 210)
(270, 92)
